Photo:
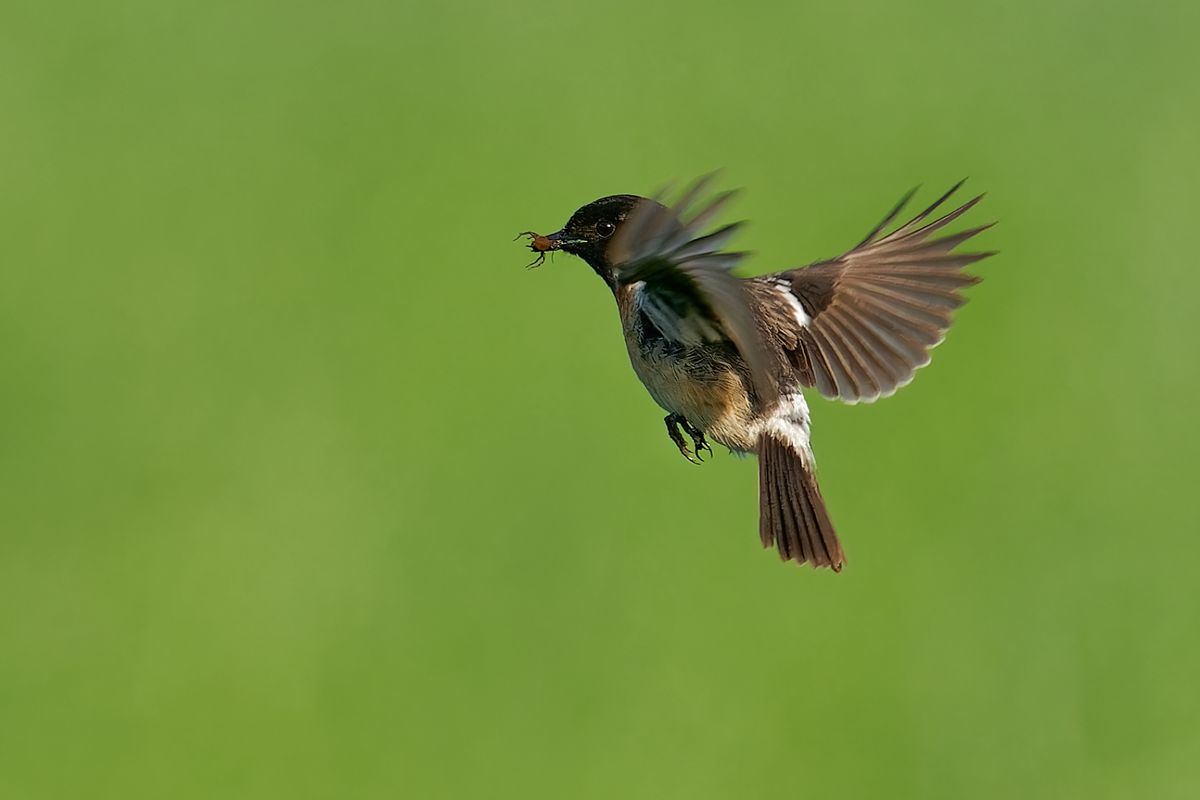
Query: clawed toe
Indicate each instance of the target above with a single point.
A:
(674, 422)
(698, 440)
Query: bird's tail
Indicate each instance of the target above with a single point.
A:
(792, 513)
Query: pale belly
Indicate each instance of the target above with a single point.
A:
(706, 391)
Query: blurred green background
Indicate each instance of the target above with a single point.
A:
(309, 489)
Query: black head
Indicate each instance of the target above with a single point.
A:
(590, 231)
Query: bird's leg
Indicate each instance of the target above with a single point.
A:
(697, 435)
(673, 422)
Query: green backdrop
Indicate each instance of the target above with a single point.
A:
(309, 489)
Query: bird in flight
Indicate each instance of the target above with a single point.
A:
(727, 357)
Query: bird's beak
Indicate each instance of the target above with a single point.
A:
(545, 244)
(561, 241)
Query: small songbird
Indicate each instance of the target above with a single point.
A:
(726, 357)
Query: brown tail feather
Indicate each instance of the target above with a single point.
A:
(792, 513)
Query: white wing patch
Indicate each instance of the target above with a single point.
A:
(802, 318)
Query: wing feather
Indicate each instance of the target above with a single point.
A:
(872, 315)
(686, 275)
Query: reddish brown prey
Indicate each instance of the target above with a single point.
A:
(727, 357)
(538, 244)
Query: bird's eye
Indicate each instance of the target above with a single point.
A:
(605, 228)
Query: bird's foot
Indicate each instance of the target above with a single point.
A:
(698, 440)
(674, 422)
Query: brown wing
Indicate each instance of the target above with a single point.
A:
(866, 321)
(689, 291)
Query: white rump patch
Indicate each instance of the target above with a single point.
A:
(788, 422)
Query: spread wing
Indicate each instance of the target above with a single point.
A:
(861, 325)
(689, 291)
